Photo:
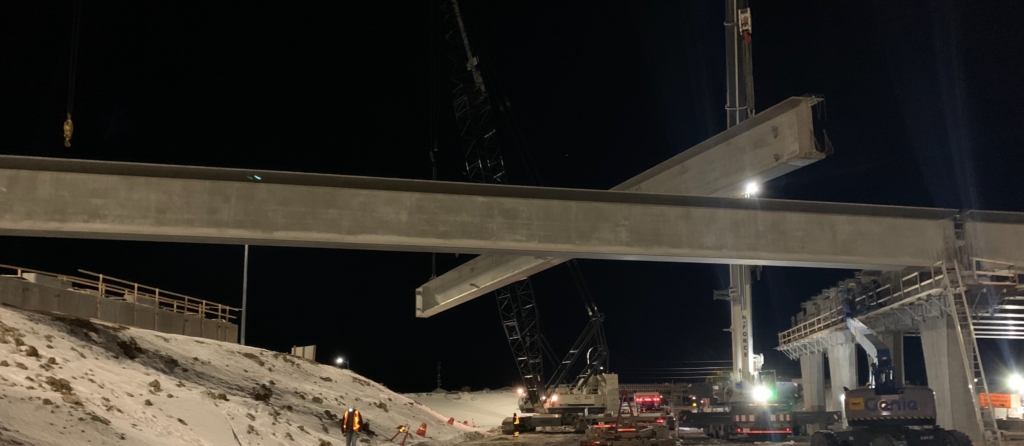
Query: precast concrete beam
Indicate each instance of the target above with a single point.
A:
(997, 236)
(85, 199)
(773, 143)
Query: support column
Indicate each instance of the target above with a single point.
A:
(894, 340)
(842, 364)
(812, 372)
(947, 377)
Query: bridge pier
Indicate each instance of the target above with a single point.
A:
(842, 364)
(947, 376)
(812, 373)
(894, 339)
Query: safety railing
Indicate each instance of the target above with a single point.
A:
(994, 272)
(909, 287)
(118, 289)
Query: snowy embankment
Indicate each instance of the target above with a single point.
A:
(67, 381)
(485, 409)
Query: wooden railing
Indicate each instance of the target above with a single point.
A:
(119, 289)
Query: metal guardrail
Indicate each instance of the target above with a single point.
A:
(119, 289)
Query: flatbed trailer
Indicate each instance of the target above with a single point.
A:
(741, 421)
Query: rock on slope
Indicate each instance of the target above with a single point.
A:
(66, 381)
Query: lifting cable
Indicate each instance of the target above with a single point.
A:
(72, 67)
(433, 114)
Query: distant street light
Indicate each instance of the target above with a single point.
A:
(339, 361)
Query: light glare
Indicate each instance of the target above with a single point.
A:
(752, 189)
(1017, 382)
(762, 394)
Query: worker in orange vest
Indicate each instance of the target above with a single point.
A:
(350, 425)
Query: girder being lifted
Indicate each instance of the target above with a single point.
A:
(775, 142)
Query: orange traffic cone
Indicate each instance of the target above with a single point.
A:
(451, 421)
(422, 431)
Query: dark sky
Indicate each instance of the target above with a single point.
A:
(923, 99)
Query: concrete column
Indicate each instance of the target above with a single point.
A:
(894, 339)
(812, 372)
(842, 364)
(947, 377)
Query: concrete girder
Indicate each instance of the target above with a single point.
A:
(773, 143)
(85, 199)
(997, 236)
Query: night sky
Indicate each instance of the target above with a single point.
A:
(924, 106)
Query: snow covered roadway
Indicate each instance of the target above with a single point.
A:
(484, 409)
(67, 381)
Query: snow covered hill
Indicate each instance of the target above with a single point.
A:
(66, 381)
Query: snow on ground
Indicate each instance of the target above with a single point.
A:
(486, 408)
(66, 381)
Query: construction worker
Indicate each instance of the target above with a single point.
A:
(515, 424)
(350, 426)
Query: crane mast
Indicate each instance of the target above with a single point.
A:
(739, 106)
(517, 305)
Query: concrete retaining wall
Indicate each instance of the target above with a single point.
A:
(230, 332)
(193, 325)
(27, 295)
(116, 311)
(77, 304)
(170, 322)
(210, 329)
(145, 317)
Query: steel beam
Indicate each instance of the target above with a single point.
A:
(773, 143)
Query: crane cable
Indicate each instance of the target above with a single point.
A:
(433, 116)
(72, 67)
